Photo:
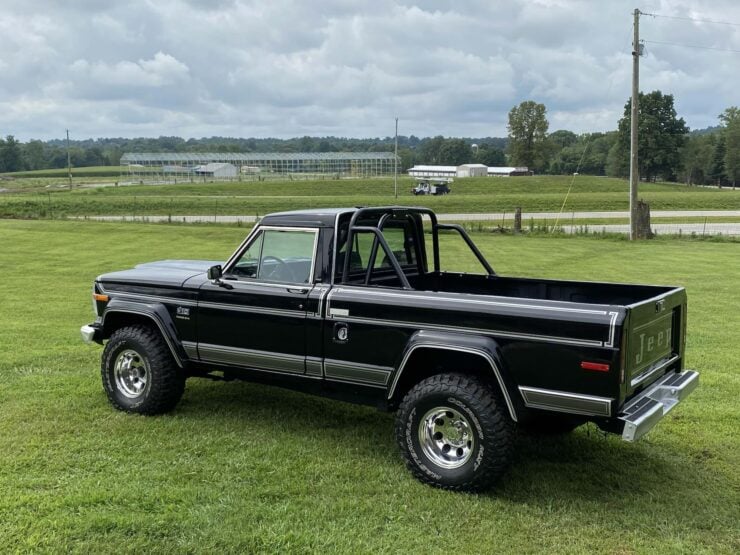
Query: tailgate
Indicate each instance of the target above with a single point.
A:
(654, 338)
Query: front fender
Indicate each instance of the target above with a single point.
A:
(484, 347)
(157, 313)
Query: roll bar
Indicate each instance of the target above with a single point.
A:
(384, 213)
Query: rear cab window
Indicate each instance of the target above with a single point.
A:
(402, 239)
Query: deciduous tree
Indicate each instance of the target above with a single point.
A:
(731, 119)
(528, 135)
(490, 156)
(455, 152)
(717, 165)
(10, 155)
(661, 134)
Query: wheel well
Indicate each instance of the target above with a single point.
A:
(426, 362)
(118, 320)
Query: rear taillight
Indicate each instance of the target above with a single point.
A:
(595, 366)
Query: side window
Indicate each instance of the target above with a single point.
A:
(283, 256)
(249, 262)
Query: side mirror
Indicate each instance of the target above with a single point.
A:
(215, 272)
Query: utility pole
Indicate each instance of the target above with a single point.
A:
(395, 164)
(69, 163)
(634, 171)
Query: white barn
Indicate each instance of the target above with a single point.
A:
(217, 169)
(468, 170)
(472, 170)
(433, 171)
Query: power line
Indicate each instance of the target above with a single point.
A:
(693, 46)
(692, 19)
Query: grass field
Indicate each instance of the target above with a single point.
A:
(90, 171)
(246, 468)
(477, 195)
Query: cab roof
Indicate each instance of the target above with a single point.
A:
(323, 217)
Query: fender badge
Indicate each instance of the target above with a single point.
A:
(183, 313)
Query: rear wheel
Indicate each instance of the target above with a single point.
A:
(138, 372)
(455, 433)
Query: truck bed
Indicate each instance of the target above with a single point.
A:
(614, 294)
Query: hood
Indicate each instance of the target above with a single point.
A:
(163, 272)
(197, 266)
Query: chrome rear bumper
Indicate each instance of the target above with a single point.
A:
(643, 412)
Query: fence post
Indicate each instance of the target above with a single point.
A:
(518, 220)
(643, 220)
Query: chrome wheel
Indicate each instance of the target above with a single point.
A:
(131, 372)
(446, 437)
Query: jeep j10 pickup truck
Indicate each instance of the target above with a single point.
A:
(353, 304)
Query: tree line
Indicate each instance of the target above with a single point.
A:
(667, 149)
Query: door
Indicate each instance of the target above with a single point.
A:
(362, 338)
(255, 317)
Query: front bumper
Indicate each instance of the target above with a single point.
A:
(643, 412)
(90, 333)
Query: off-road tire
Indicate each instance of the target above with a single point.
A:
(165, 382)
(479, 405)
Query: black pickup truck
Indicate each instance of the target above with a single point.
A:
(354, 304)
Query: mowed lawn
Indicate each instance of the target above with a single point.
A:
(246, 468)
(473, 195)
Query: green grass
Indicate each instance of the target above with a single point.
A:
(246, 468)
(90, 171)
(477, 195)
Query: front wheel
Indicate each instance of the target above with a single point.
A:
(138, 371)
(455, 433)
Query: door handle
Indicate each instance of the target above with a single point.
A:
(298, 290)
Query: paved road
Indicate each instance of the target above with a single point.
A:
(590, 215)
(666, 229)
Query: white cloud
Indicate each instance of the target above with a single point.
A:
(287, 67)
(160, 71)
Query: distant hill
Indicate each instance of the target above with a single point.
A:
(706, 131)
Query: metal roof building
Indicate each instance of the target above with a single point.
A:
(472, 170)
(217, 169)
(422, 170)
(509, 171)
(158, 166)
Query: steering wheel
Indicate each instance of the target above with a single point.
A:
(276, 271)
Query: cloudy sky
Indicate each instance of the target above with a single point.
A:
(284, 68)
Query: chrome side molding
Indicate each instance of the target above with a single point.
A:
(563, 401)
